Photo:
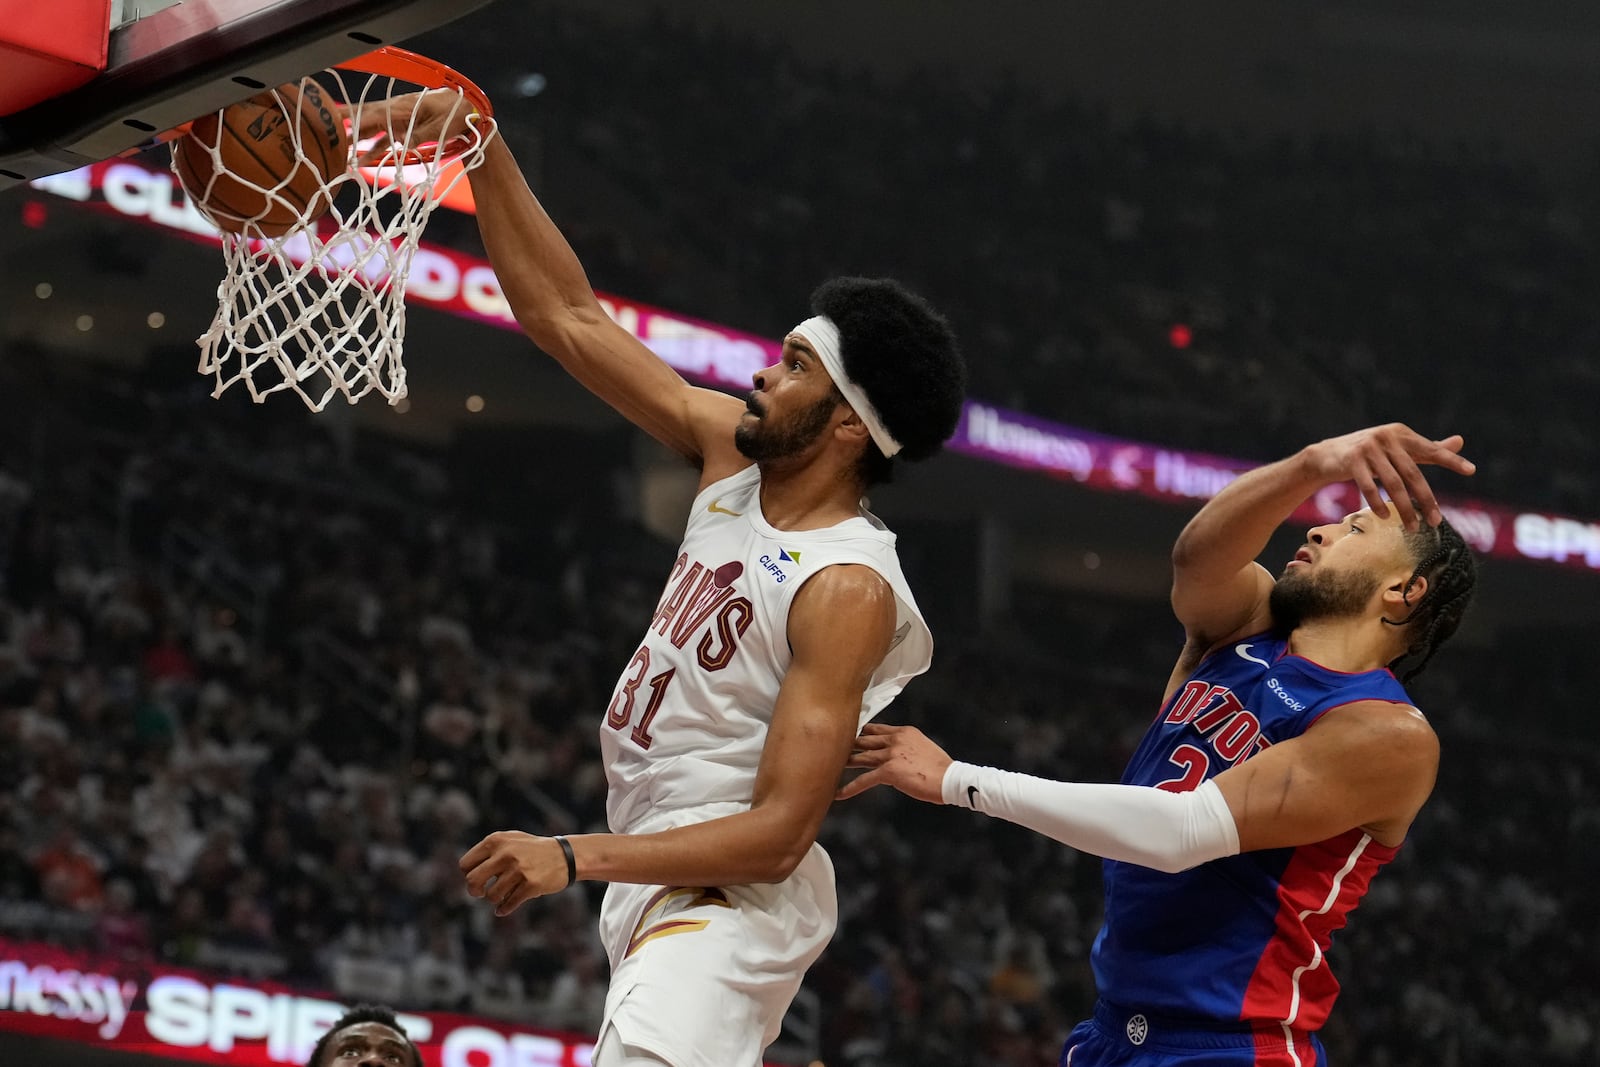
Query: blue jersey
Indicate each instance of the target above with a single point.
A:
(1238, 940)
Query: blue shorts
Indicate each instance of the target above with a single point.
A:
(1124, 1037)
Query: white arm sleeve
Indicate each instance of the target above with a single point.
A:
(1140, 824)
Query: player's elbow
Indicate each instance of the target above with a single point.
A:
(1187, 552)
(785, 845)
(781, 861)
(553, 325)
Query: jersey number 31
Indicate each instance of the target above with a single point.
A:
(620, 713)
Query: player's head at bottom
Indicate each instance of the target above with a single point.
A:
(368, 1035)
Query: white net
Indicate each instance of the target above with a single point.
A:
(313, 296)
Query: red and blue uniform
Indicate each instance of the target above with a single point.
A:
(1224, 964)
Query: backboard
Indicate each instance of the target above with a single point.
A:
(169, 62)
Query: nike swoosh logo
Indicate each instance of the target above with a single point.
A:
(715, 510)
(972, 792)
(1244, 653)
(900, 635)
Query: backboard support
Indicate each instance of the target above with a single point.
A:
(198, 56)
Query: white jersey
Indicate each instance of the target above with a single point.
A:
(688, 719)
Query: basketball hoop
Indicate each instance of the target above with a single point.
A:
(320, 310)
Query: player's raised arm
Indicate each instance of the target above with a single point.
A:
(1220, 592)
(550, 295)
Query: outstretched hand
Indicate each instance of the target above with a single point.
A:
(900, 756)
(412, 120)
(1388, 459)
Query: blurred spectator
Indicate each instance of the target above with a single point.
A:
(497, 989)
(577, 999)
(367, 1033)
(438, 976)
(123, 931)
(19, 880)
(168, 660)
(69, 873)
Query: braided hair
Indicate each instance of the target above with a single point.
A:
(364, 1013)
(1443, 559)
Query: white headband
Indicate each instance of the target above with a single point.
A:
(824, 338)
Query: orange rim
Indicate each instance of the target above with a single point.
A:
(391, 62)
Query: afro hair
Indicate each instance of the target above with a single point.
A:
(902, 354)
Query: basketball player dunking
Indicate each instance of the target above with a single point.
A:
(786, 624)
(1283, 769)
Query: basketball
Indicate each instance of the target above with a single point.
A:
(266, 160)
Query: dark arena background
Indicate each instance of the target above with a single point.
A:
(265, 674)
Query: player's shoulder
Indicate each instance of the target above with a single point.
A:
(842, 613)
(844, 598)
(1381, 725)
(846, 583)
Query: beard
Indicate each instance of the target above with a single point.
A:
(1303, 597)
(765, 441)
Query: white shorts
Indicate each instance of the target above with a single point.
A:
(702, 977)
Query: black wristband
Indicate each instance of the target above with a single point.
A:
(572, 861)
